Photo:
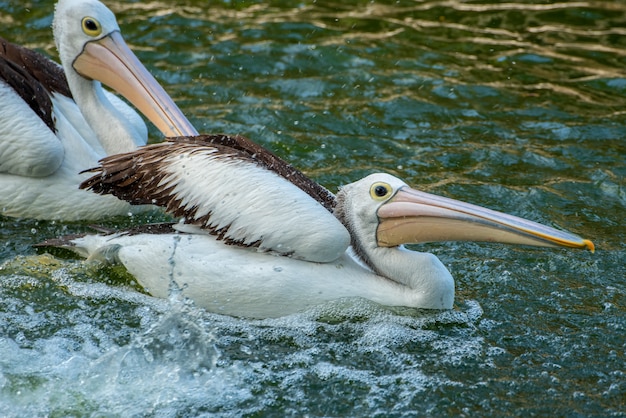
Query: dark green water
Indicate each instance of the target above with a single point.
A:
(520, 107)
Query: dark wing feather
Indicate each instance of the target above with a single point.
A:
(33, 77)
(132, 176)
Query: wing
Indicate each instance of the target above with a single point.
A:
(33, 77)
(240, 196)
(28, 142)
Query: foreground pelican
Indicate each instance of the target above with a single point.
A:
(253, 243)
(56, 122)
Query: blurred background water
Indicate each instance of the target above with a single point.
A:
(518, 106)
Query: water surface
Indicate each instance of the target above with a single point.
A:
(518, 106)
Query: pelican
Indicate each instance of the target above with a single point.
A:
(257, 238)
(57, 121)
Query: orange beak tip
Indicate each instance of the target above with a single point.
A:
(589, 245)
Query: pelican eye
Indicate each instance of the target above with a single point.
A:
(91, 26)
(380, 191)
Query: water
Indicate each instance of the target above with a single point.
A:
(516, 106)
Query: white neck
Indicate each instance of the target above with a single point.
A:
(423, 273)
(112, 128)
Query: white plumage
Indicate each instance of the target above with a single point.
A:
(243, 282)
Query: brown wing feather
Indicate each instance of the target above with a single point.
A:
(129, 176)
(33, 77)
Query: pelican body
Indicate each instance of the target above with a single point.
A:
(244, 282)
(259, 239)
(57, 121)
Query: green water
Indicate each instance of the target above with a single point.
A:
(518, 106)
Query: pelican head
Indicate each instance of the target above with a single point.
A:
(385, 207)
(89, 41)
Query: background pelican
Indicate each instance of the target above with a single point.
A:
(227, 197)
(56, 122)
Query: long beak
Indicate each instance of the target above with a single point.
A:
(110, 61)
(412, 216)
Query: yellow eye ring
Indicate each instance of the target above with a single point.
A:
(380, 191)
(91, 26)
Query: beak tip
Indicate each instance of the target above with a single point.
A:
(589, 245)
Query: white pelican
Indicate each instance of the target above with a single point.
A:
(287, 252)
(56, 122)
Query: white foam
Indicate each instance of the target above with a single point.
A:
(88, 347)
